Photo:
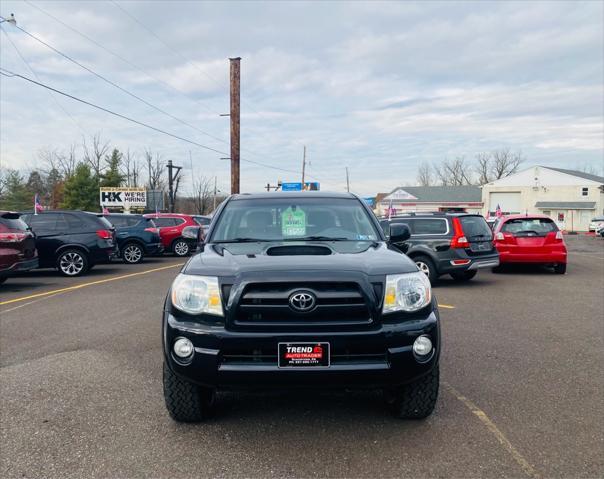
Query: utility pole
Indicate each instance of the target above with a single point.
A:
(171, 179)
(303, 166)
(235, 122)
(347, 181)
(215, 179)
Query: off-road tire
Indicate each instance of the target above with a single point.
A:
(78, 260)
(415, 400)
(181, 248)
(429, 264)
(463, 276)
(560, 268)
(185, 401)
(133, 253)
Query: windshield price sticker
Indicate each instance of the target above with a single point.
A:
(293, 222)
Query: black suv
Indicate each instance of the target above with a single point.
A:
(458, 244)
(300, 290)
(71, 241)
(136, 236)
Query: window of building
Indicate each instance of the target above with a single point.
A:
(584, 191)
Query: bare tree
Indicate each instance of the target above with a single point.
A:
(131, 169)
(202, 194)
(95, 152)
(155, 170)
(483, 168)
(455, 172)
(425, 175)
(505, 163)
(61, 161)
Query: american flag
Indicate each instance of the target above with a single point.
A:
(37, 205)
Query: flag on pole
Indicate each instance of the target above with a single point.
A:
(498, 212)
(37, 205)
(105, 210)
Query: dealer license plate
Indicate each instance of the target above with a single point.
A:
(303, 355)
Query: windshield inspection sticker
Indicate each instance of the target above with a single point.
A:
(293, 222)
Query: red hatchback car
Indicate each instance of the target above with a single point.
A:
(530, 239)
(170, 231)
(17, 245)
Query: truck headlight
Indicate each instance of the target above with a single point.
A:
(406, 292)
(197, 294)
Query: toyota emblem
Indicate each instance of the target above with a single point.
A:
(302, 301)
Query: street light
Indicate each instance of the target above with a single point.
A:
(10, 20)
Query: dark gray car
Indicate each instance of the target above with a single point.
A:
(458, 244)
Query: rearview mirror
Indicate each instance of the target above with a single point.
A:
(399, 232)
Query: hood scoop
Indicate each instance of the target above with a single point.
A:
(299, 250)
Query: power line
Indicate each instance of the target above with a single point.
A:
(38, 78)
(10, 74)
(190, 62)
(117, 55)
(106, 80)
(140, 69)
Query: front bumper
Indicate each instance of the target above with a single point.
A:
(379, 357)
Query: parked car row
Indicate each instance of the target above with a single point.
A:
(460, 244)
(75, 241)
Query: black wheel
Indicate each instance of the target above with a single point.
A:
(132, 253)
(560, 268)
(415, 400)
(72, 262)
(463, 275)
(180, 247)
(185, 401)
(426, 266)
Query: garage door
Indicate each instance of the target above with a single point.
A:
(508, 202)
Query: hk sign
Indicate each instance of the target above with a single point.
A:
(123, 197)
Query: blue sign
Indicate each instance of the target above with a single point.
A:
(291, 186)
(308, 186)
(370, 200)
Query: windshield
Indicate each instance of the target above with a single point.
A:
(282, 219)
(529, 227)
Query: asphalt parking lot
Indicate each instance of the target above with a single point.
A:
(522, 387)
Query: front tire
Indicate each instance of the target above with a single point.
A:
(133, 253)
(463, 276)
(415, 400)
(72, 262)
(426, 266)
(185, 401)
(181, 248)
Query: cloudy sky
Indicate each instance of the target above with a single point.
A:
(376, 86)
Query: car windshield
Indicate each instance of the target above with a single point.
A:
(283, 219)
(529, 226)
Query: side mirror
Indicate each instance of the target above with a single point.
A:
(399, 232)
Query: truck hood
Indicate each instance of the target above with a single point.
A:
(236, 259)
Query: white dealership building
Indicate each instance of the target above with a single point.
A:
(571, 198)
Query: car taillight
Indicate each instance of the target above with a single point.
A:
(152, 230)
(559, 236)
(104, 234)
(499, 236)
(12, 237)
(459, 240)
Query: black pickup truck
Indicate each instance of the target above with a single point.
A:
(300, 290)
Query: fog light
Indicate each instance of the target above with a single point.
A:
(422, 346)
(183, 348)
